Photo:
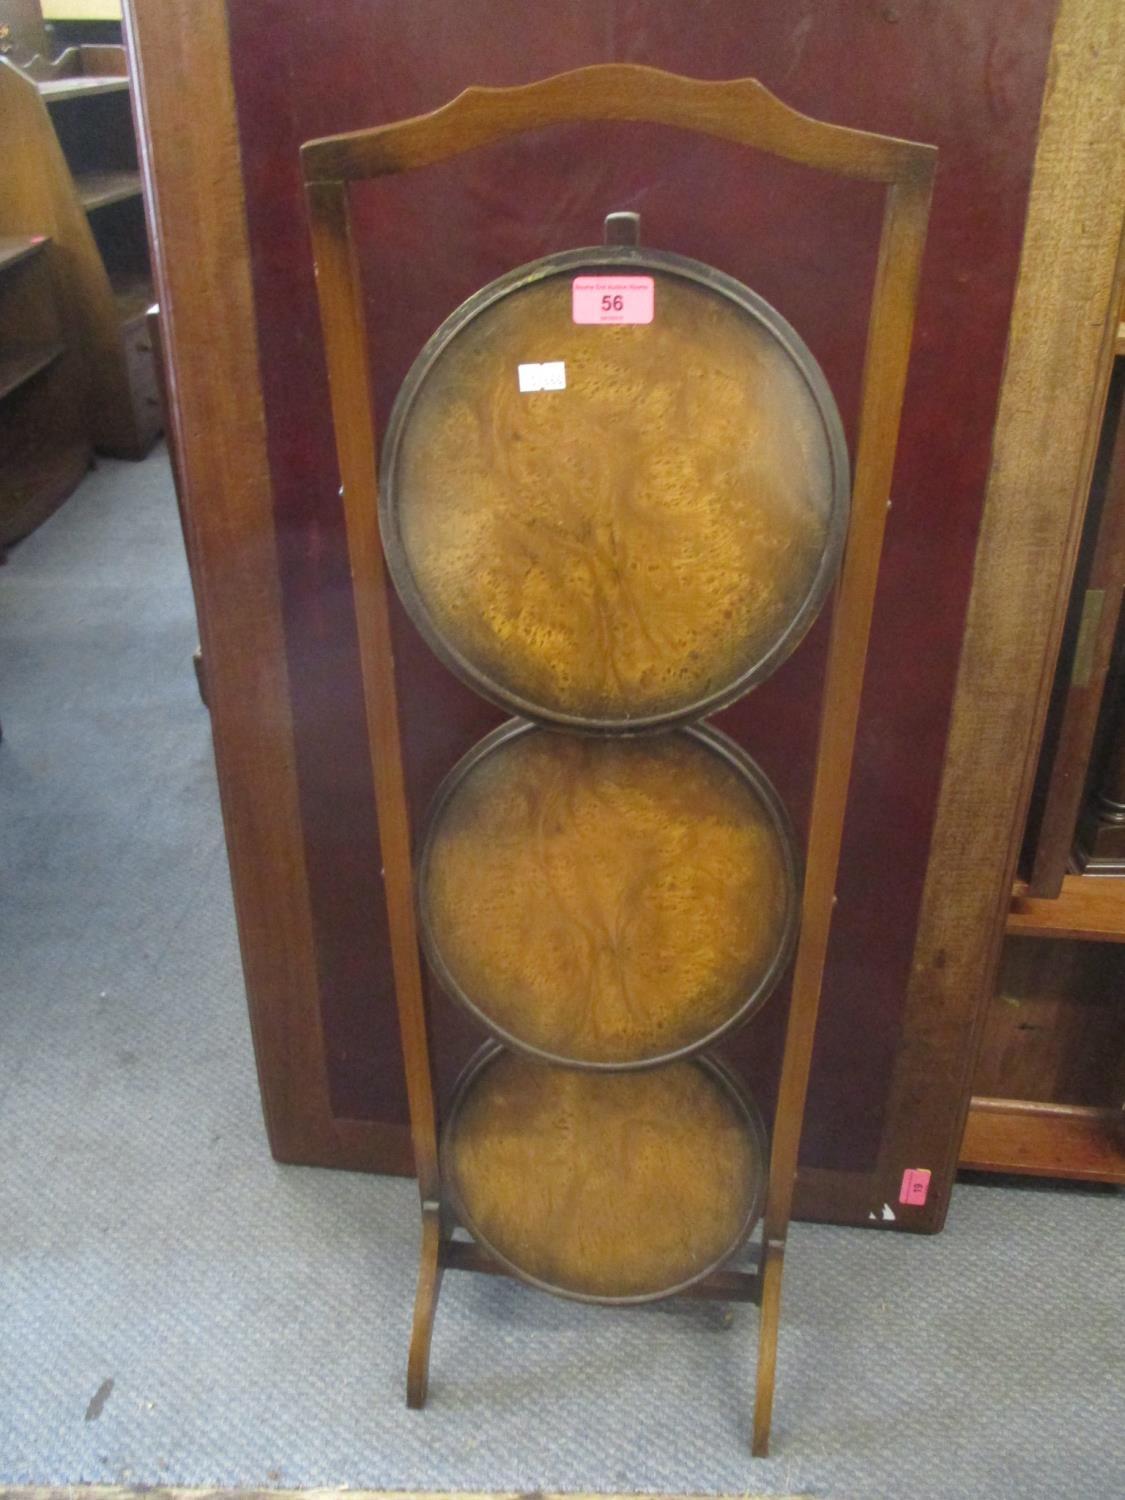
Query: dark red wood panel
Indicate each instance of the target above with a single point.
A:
(965, 76)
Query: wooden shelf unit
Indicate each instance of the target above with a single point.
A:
(1048, 1094)
(79, 71)
(81, 152)
(14, 248)
(1089, 907)
(99, 189)
(44, 442)
(21, 364)
(82, 88)
(1044, 1140)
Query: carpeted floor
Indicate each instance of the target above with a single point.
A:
(177, 1309)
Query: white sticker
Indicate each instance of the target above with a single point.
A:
(550, 376)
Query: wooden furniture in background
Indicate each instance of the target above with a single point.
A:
(746, 113)
(44, 442)
(1063, 331)
(180, 57)
(44, 390)
(77, 172)
(1070, 738)
(1090, 909)
(1100, 844)
(1050, 1075)
(1048, 1088)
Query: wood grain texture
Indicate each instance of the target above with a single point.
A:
(772, 1267)
(607, 901)
(1091, 907)
(1060, 347)
(739, 110)
(1055, 1030)
(431, 1265)
(888, 352)
(724, 1285)
(191, 164)
(633, 547)
(349, 378)
(1013, 1135)
(611, 1187)
(889, 338)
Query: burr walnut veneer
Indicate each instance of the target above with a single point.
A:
(604, 1188)
(608, 902)
(648, 547)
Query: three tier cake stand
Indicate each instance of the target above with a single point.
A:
(614, 494)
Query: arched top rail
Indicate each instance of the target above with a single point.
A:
(741, 110)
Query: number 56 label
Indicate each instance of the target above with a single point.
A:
(612, 299)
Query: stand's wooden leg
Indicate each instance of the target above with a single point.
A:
(425, 1305)
(773, 1260)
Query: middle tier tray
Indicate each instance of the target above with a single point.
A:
(608, 903)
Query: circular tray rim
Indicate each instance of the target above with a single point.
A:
(725, 1077)
(638, 258)
(733, 754)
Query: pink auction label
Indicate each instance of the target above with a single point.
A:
(613, 299)
(915, 1186)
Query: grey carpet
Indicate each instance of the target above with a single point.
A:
(253, 1319)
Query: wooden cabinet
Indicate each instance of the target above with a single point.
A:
(1048, 1087)
(1050, 1076)
(76, 173)
(44, 430)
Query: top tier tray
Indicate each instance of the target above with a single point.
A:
(640, 542)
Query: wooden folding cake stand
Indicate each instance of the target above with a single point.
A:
(599, 1150)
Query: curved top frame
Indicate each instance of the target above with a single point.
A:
(741, 110)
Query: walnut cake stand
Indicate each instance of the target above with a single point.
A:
(612, 559)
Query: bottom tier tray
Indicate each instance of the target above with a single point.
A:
(605, 1187)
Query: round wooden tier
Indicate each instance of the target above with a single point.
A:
(640, 547)
(609, 1189)
(609, 902)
